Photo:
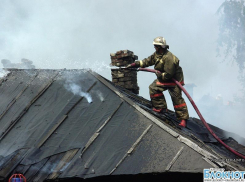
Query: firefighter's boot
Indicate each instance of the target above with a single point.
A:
(162, 111)
(183, 123)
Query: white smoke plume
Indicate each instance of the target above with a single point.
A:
(3, 73)
(77, 90)
(99, 94)
(74, 83)
(24, 64)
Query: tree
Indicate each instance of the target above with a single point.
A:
(231, 38)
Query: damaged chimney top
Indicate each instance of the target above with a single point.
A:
(124, 78)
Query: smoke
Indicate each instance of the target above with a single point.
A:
(74, 82)
(3, 73)
(99, 95)
(74, 85)
(77, 90)
(25, 64)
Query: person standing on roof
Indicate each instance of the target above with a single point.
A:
(168, 64)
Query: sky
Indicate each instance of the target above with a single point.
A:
(57, 34)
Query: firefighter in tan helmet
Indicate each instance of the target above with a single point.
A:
(168, 65)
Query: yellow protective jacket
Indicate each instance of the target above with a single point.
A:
(168, 64)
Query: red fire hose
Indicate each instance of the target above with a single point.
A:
(198, 113)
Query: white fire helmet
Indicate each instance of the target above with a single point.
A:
(160, 41)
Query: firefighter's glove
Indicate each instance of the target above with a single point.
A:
(136, 64)
(158, 74)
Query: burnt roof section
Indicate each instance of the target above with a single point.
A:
(48, 132)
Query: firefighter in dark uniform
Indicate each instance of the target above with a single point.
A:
(168, 65)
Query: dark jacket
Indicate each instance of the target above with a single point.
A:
(167, 63)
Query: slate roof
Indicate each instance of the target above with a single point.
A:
(48, 133)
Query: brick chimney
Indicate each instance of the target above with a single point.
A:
(124, 78)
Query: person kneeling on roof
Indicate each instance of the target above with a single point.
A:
(168, 64)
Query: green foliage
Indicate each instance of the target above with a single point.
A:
(232, 31)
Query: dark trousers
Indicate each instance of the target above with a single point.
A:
(159, 102)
